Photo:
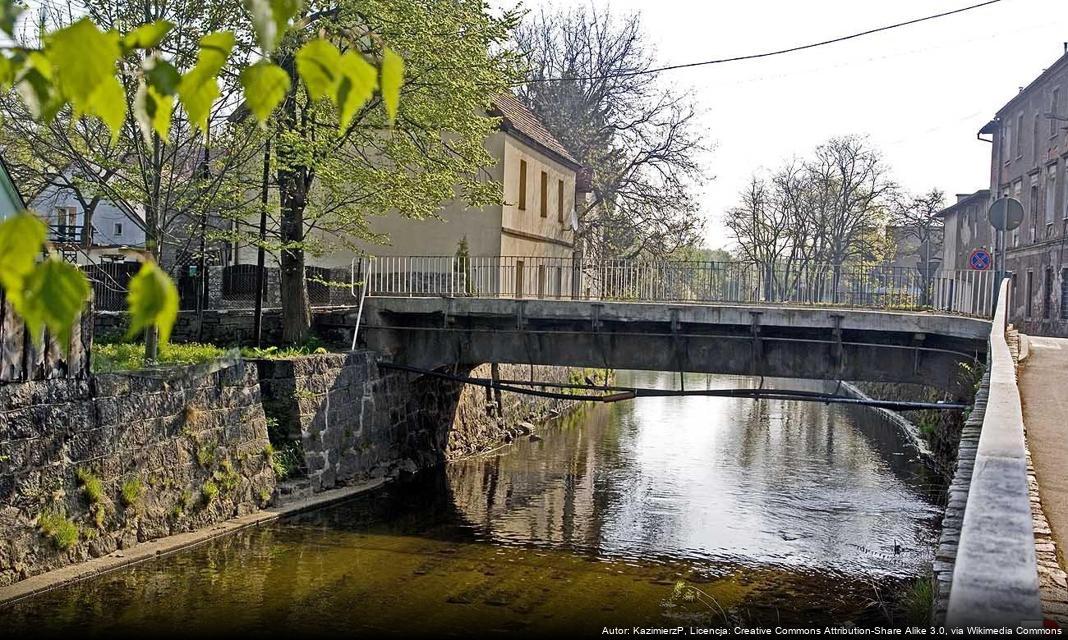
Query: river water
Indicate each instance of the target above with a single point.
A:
(659, 511)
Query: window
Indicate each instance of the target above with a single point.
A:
(1051, 197)
(522, 185)
(118, 229)
(1019, 136)
(1055, 97)
(1064, 293)
(1032, 208)
(1029, 293)
(66, 216)
(560, 201)
(1034, 137)
(1047, 293)
(544, 194)
(1006, 143)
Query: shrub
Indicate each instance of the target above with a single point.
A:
(121, 356)
(209, 491)
(227, 477)
(131, 492)
(206, 455)
(91, 485)
(285, 462)
(60, 529)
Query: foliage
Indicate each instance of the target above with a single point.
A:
(208, 491)
(637, 136)
(117, 58)
(227, 477)
(311, 346)
(285, 461)
(918, 601)
(336, 161)
(153, 301)
(59, 528)
(91, 485)
(45, 293)
(815, 215)
(131, 492)
(206, 455)
(129, 357)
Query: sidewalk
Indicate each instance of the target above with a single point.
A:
(1043, 381)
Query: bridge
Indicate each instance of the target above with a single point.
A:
(822, 322)
(862, 323)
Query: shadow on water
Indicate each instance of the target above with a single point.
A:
(778, 512)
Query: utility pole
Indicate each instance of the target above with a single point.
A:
(260, 253)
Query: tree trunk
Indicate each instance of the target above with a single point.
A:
(296, 314)
(293, 183)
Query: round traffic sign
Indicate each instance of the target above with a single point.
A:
(1006, 214)
(980, 260)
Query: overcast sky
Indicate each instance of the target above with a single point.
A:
(920, 92)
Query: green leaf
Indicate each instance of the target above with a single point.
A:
(83, 61)
(270, 19)
(265, 87)
(148, 35)
(34, 85)
(162, 75)
(55, 293)
(7, 72)
(153, 300)
(198, 88)
(317, 64)
(21, 239)
(359, 78)
(392, 81)
(152, 110)
(9, 14)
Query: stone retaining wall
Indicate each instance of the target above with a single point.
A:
(91, 466)
(354, 420)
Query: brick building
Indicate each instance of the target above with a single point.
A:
(1029, 136)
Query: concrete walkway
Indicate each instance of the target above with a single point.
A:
(1043, 382)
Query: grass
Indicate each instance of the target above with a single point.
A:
(131, 492)
(917, 600)
(206, 455)
(209, 491)
(125, 356)
(91, 485)
(58, 528)
(311, 346)
(285, 462)
(226, 476)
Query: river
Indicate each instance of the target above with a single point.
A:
(659, 511)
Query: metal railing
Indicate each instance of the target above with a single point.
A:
(868, 286)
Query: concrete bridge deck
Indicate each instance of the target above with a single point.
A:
(745, 339)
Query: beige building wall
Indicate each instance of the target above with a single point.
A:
(534, 227)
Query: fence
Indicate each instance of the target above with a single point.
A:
(22, 360)
(872, 286)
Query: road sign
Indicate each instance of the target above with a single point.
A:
(980, 260)
(1006, 214)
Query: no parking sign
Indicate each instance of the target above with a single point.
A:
(980, 260)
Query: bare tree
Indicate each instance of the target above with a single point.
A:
(913, 215)
(637, 137)
(813, 216)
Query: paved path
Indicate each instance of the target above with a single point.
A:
(1043, 381)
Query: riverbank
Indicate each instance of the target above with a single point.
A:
(168, 545)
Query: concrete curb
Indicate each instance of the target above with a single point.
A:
(172, 544)
(995, 578)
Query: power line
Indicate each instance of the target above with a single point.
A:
(765, 54)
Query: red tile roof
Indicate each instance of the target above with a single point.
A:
(523, 121)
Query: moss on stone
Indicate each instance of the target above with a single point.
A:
(131, 492)
(91, 485)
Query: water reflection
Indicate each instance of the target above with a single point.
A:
(726, 480)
